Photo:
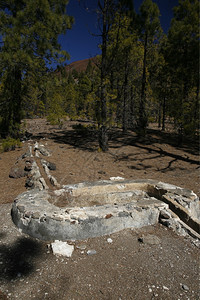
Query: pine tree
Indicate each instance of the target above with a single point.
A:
(182, 56)
(125, 52)
(29, 31)
(149, 28)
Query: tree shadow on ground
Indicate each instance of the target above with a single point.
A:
(2, 235)
(152, 142)
(17, 259)
(87, 140)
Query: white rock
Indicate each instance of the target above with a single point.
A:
(59, 192)
(117, 178)
(81, 247)
(167, 186)
(62, 248)
(36, 145)
(109, 240)
(91, 252)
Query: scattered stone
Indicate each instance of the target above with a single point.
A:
(51, 166)
(165, 222)
(165, 214)
(81, 247)
(108, 216)
(102, 172)
(28, 165)
(29, 183)
(149, 239)
(37, 153)
(109, 240)
(59, 192)
(62, 248)
(91, 252)
(44, 151)
(53, 181)
(117, 178)
(44, 185)
(41, 149)
(185, 287)
(165, 288)
(17, 172)
(140, 239)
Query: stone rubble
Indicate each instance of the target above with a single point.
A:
(62, 248)
(26, 165)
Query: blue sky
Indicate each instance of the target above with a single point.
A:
(79, 41)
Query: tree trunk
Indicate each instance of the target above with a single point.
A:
(103, 138)
(142, 109)
(125, 96)
(159, 114)
(119, 106)
(164, 113)
(132, 110)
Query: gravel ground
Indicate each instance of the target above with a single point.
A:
(161, 265)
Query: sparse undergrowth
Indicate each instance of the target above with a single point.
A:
(9, 144)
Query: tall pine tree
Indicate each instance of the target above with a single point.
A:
(182, 56)
(149, 28)
(29, 31)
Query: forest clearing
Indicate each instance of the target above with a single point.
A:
(130, 111)
(126, 268)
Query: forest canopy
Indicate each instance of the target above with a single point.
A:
(141, 76)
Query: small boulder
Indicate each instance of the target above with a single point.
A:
(17, 172)
(109, 240)
(118, 178)
(91, 252)
(29, 183)
(149, 239)
(62, 248)
(165, 214)
(28, 166)
(50, 165)
(185, 287)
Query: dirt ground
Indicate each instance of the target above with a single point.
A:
(167, 268)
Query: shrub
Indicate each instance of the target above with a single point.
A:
(9, 144)
(54, 119)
